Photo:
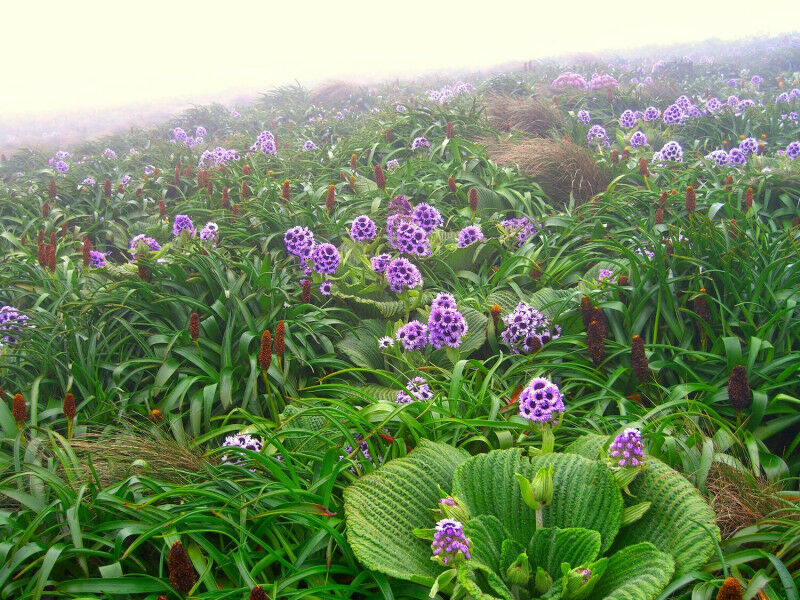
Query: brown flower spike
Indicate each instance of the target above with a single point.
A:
(748, 198)
(701, 306)
(691, 200)
(639, 359)
(586, 311)
(739, 394)
(51, 191)
(451, 183)
(731, 590)
(594, 342)
(280, 342)
(380, 178)
(194, 326)
(258, 593)
(265, 354)
(495, 312)
(643, 171)
(286, 191)
(181, 572)
(69, 406)
(19, 410)
(449, 130)
(473, 200)
(330, 199)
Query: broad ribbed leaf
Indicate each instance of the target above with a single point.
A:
(675, 520)
(585, 494)
(476, 335)
(384, 507)
(505, 299)
(638, 572)
(588, 445)
(551, 303)
(375, 392)
(509, 552)
(360, 346)
(551, 546)
(387, 309)
(486, 534)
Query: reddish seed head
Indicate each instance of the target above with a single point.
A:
(662, 200)
(353, 162)
(144, 272)
(305, 296)
(86, 248)
(51, 190)
(639, 359)
(330, 198)
(739, 393)
(691, 200)
(748, 198)
(69, 406)
(40, 237)
(586, 310)
(181, 573)
(246, 170)
(286, 191)
(342, 177)
(194, 326)
(701, 306)
(19, 409)
(473, 200)
(659, 216)
(265, 352)
(235, 210)
(614, 156)
(258, 593)
(280, 342)
(594, 342)
(622, 280)
(53, 238)
(451, 183)
(380, 178)
(51, 257)
(46, 210)
(107, 187)
(226, 201)
(162, 209)
(245, 191)
(643, 171)
(626, 154)
(388, 135)
(156, 416)
(450, 130)
(731, 590)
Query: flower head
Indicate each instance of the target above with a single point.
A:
(402, 273)
(418, 389)
(182, 223)
(363, 229)
(413, 335)
(427, 217)
(446, 326)
(385, 342)
(527, 329)
(541, 401)
(243, 441)
(469, 235)
(420, 142)
(326, 258)
(299, 242)
(449, 542)
(627, 448)
(380, 262)
(97, 259)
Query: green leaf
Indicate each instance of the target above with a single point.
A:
(551, 546)
(487, 535)
(585, 494)
(588, 446)
(509, 551)
(384, 507)
(638, 572)
(674, 523)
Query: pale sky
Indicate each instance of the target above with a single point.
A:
(86, 54)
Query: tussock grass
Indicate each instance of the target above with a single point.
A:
(538, 116)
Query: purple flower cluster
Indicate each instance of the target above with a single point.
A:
(719, 157)
(671, 152)
(527, 329)
(407, 236)
(182, 223)
(88, 182)
(326, 258)
(363, 229)
(597, 137)
(210, 232)
(541, 401)
(651, 113)
(380, 262)
(392, 164)
(638, 139)
(605, 276)
(792, 150)
(522, 226)
(299, 242)
(584, 117)
(627, 119)
(469, 235)
(399, 205)
(309, 145)
(749, 145)
(449, 542)
(413, 335)
(385, 342)
(448, 92)
(402, 273)
(570, 80)
(109, 153)
(627, 447)
(97, 259)
(217, 157)
(605, 81)
(736, 157)
(179, 136)
(418, 389)
(446, 326)
(12, 323)
(142, 242)
(265, 143)
(363, 447)
(420, 142)
(673, 115)
(325, 288)
(243, 441)
(427, 217)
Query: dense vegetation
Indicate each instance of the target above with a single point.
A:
(542, 327)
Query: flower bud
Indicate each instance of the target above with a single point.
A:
(519, 572)
(181, 572)
(543, 582)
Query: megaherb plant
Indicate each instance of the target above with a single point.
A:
(554, 525)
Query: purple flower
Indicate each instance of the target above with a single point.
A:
(380, 262)
(143, 243)
(627, 120)
(392, 164)
(597, 137)
(673, 115)
(243, 441)
(200, 132)
(627, 448)
(604, 276)
(407, 237)
(645, 251)
(444, 301)
(719, 157)
(182, 223)
(713, 105)
(61, 166)
(402, 273)
(569, 79)
(603, 81)
(299, 241)
(446, 326)
(736, 157)
(109, 153)
(427, 217)
(400, 108)
(385, 342)
(325, 288)
(179, 134)
(638, 139)
(265, 143)
(522, 226)
(469, 235)
(399, 205)
(126, 179)
(210, 232)
(651, 113)
(541, 401)
(149, 170)
(97, 259)
(363, 448)
(418, 389)
(755, 80)
(420, 142)
(413, 335)
(749, 145)
(88, 182)
(363, 229)
(793, 150)
(309, 145)
(584, 117)
(326, 258)
(671, 152)
(527, 329)
(449, 542)
(732, 83)
(12, 323)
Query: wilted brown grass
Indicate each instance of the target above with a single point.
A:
(561, 167)
(740, 500)
(534, 116)
(334, 92)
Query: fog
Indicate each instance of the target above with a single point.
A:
(72, 70)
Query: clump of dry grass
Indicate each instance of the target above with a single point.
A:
(334, 92)
(135, 450)
(739, 499)
(537, 117)
(561, 167)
